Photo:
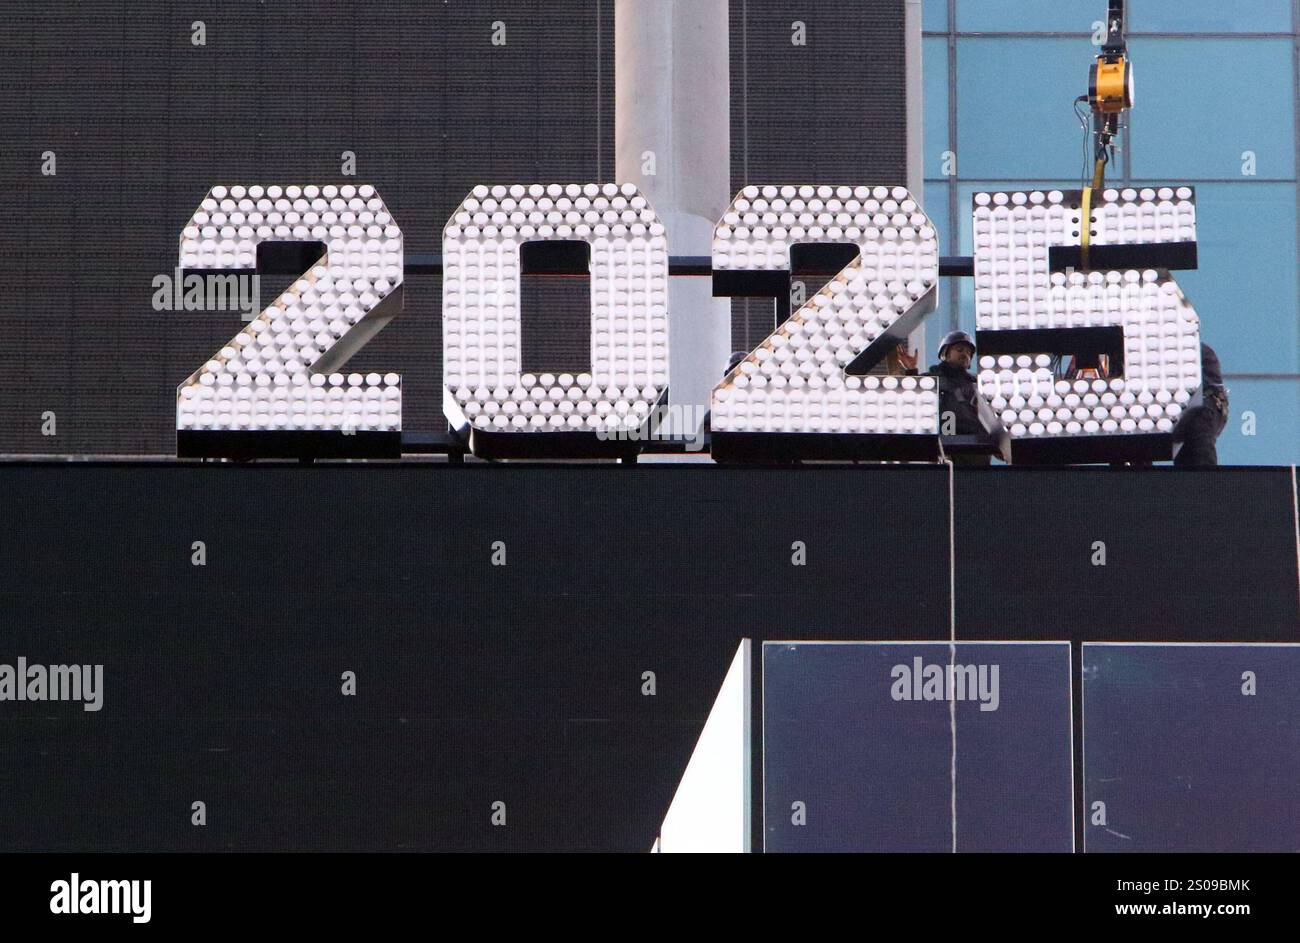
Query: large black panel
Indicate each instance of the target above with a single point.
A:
(475, 682)
(1189, 556)
(142, 123)
(523, 683)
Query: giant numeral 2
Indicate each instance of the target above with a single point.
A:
(274, 388)
(801, 389)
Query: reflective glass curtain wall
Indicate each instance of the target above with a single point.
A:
(1216, 108)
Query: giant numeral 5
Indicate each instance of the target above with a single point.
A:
(801, 388)
(1040, 294)
(277, 378)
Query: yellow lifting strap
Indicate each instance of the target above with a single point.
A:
(1085, 228)
(1085, 220)
(1099, 175)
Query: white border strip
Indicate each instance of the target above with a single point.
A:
(747, 645)
(1074, 842)
(952, 640)
(1295, 513)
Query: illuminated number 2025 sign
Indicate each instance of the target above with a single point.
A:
(1078, 274)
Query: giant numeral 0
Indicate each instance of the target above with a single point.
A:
(802, 391)
(274, 389)
(1041, 294)
(506, 412)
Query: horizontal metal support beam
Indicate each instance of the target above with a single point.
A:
(430, 263)
(296, 257)
(957, 266)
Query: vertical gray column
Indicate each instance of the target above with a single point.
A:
(672, 139)
(916, 139)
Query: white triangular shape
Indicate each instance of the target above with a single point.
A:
(711, 808)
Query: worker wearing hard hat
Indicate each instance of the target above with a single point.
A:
(1199, 427)
(958, 412)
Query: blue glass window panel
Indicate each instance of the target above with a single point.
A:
(1210, 16)
(934, 15)
(1245, 287)
(1024, 16)
(936, 207)
(1193, 118)
(1182, 759)
(1276, 408)
(1015, 116)
(875, 774)
(934, 58)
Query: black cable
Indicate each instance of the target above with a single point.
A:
(1082, 115)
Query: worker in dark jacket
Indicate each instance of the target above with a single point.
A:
(1199, 427)
(958, 412)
